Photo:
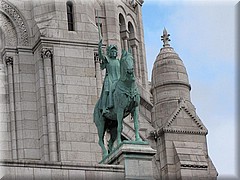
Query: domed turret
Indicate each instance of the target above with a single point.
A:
(169, 80)
(178, 130)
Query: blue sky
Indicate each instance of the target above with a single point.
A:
(202, 33)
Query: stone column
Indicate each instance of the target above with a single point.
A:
(141, 46)
(134, 48)
(140, 69)
(44, 143)
(125, 44)
(124, 37)
(5, 151)
(47, 55)
(134, 44)
(12, 108)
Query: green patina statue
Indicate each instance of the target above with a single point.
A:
(119, 97)
(112, 66)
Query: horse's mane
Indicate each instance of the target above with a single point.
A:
(126, 56)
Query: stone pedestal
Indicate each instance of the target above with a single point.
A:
(136, 158)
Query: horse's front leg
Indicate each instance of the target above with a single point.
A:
(119, 126)
(135, 115)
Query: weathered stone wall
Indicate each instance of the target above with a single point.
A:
(52, 84)
(51, 80)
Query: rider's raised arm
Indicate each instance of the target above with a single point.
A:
(102, 56)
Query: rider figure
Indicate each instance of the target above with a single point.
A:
(112, 66)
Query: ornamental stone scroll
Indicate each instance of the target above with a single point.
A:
(47, 53)
(9, 60)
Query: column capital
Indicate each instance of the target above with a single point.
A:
(96, 57)
(9, 60)
(133, 42)
(46, 53)
(124, 34)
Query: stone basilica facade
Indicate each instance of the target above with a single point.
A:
(50, 80)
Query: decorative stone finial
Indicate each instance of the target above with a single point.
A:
(165, 38)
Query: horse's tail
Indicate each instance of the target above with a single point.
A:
(97, 116)
(98, 120)
(96, 113)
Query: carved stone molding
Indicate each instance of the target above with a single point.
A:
(9, 60)
(9, 30)
(134, 3)
(46, 53)
(14, 14)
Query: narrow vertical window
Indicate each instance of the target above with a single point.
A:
(70, 16)
(122, 29)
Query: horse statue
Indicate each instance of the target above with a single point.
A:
(126, 100)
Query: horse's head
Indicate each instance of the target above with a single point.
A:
(127, 66)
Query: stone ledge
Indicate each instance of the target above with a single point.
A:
(61, 165)
(135, 148)
(136, 156)
(60, 41)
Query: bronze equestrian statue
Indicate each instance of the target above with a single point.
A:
(119, 97)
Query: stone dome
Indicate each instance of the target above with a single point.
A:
(169, 75)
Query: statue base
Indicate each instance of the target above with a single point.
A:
(136, 158)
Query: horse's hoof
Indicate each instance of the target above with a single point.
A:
(119, 142)
(105, 155)
(139, 139)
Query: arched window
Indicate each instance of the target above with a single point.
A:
(123, 31)
(131, 35)
(134, 48)
(70, 16)
(131, 30)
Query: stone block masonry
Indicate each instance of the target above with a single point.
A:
(76, 88)
(24, 170)
(50, 81)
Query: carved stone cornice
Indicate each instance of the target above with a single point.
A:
(181, 131)
(134, 3)
(16, 17)
(198, 129)
(9, 60)
(148, 105)
(133, 42)
(125, 34)
(46, 53)
(194, 118)
(159, 132)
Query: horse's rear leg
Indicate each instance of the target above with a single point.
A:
(101, 127)
(119, 126)
(113, 133)
(101, 132)
(100, 124)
